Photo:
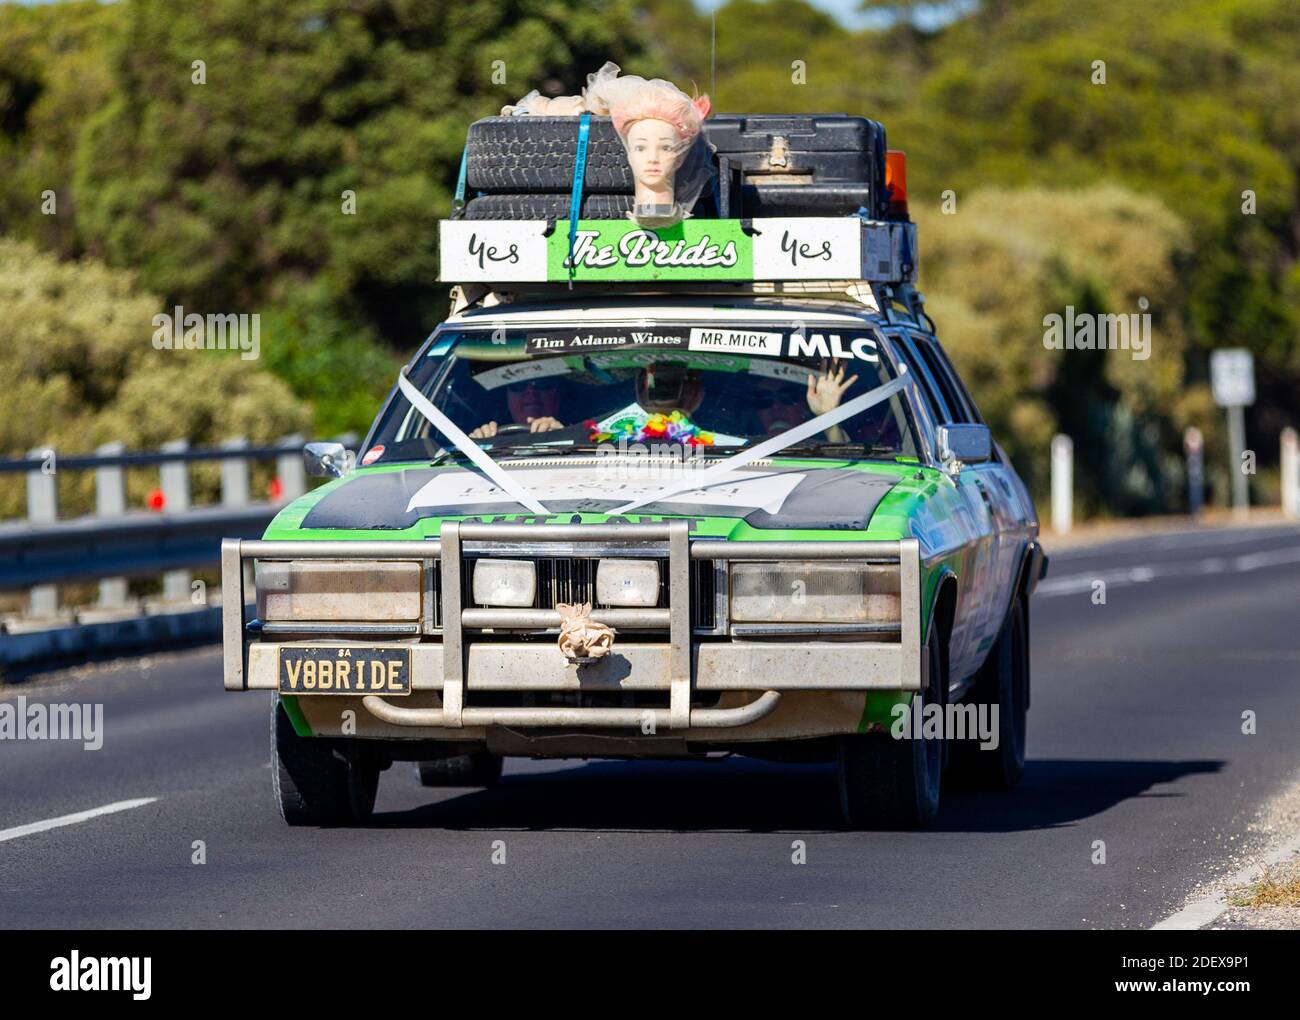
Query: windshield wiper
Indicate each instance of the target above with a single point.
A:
(528, 449)
(849, 451)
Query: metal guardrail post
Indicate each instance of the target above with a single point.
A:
(43, 508)
(234, 487)
(1062, 484)
(234, 475)
(1290, 473)
(110, 501)
(174, 477)
(290, 469)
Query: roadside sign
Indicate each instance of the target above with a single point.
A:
(1232, 377)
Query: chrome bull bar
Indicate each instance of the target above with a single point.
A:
(444, 555)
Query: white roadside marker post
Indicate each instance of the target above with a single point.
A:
(1290, 473)
(1194, 449)
(1062, 484)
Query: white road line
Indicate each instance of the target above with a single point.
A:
(1073, 584)
(73, 819)
(1201, 912)
(1181, 540)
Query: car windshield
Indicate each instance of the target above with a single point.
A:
(717, 390)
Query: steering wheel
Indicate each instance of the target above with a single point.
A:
(504, 429)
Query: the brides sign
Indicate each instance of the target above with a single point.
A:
(796, 248)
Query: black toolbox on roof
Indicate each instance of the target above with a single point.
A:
(817, 148)
(768, 165)
(821, 164)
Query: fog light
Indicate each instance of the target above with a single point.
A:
(815, 591)
(342, 590)
(509, 583)
(627, 583)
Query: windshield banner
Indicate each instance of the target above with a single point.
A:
(795, 248)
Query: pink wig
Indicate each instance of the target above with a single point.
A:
(633, 98)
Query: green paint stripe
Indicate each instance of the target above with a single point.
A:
(291, 709)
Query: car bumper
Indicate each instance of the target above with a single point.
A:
(462, 671)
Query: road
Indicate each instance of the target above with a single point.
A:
(1135, 740)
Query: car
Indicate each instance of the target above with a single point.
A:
(653, 521)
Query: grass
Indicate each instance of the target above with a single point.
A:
(1274, 889)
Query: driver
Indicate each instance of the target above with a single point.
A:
(532, 403)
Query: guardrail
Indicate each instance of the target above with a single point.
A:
(115, 544)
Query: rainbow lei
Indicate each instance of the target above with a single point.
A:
(675, 428)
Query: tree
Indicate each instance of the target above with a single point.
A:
(81, 369)
(227, 194)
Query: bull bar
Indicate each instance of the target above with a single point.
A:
(899, 665)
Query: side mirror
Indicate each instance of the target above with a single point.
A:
(326, 460)
(968, 444)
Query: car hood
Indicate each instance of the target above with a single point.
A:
(802, 495)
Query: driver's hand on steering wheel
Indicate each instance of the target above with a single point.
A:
(543, 424)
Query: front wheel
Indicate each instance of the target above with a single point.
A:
(316, 782)
(892, 782)
(1001, 688)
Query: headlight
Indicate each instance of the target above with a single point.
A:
(511, 583)
(627, 583)
(816, 591)
(346, 590)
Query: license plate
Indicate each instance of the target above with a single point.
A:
(353, 671)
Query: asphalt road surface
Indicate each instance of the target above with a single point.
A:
(1135, 739)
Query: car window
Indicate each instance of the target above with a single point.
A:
(930, 392)
(955, 383)
(954, 399)
(718, 387)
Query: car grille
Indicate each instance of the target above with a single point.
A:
(573, 579)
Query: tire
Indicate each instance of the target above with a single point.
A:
(536, 154)
(894, 783)
(478, 768)
(317, 783)
(1002, 686)
(546, 207)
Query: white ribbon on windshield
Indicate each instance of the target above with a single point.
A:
(718, 473)
(467, 446)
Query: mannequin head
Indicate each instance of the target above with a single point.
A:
(658, 124)
(654, 148)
